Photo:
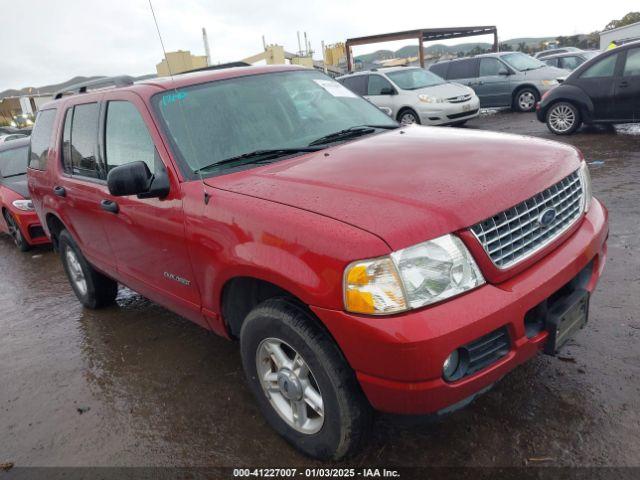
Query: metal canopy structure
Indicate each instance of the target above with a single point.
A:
(422, 35)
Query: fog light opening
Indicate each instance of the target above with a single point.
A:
(455, 365)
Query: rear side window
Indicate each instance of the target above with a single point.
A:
(632, 66)
(357, 84)
(126, 136)
(41, 138)
(14, 162)
(377, 85)
(602, 69)
(462, 69)
(440, 69)
(83, 141)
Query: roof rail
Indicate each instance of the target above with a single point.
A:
(83, 87)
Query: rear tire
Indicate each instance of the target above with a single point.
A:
(93, 289)
(525, 99)
(16, 233)
(563, 118)
(302, 383)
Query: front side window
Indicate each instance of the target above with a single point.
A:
(40, 139)
(571, 63)
(220, 120)
(602, 69)
(84, 135)
(14, 162)
(415, 78)
(522, 62)
(491, 67)
(632, 66)
(552, 62)
(126, 137)
(378, 85)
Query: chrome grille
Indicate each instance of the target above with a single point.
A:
(517, 233)
(459, 99)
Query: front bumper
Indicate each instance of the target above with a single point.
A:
(31, 228)
(398, 360)
(441, 113)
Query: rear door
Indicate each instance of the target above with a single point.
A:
(147, 236)
(627, 88)
(493, 88)
(82, 184)
(598, 82)
(464, 72)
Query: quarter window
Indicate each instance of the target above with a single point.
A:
(632, 66)
(40, 139)
(604, 68)
(377, 84)
(126, 137)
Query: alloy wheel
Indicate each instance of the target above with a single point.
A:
(562, 118)
(526, 100)
(408, 118)
(75, 271)
(14, 230)
(290, 385)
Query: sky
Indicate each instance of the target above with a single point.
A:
(50, 41)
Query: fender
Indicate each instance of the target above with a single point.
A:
(576, 95)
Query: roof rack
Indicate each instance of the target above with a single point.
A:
(83, 87)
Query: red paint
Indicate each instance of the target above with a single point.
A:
(23, 219)
(299, 222)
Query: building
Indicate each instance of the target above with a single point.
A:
(624, 34)
(180, 61)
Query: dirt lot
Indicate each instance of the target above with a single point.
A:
(136, 385)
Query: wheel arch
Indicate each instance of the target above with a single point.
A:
(521, 87)
(405, 108)
(54, 225)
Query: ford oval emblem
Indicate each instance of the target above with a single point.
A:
(547, 217)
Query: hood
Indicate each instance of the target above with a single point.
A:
(545, 73)
(444, 90)
(18, 184)
(412, 184)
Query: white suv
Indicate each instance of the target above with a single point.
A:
(415, 95)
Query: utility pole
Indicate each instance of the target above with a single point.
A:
(207, 52)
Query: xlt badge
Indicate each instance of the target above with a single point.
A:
(177, 278)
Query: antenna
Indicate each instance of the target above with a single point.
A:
(164, 52)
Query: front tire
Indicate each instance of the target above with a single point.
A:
(302, 383)
(563, 118)
(408, 117)
(525, 100)
(93, 289)
(16, 233)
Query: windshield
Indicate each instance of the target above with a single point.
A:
(415, 78)
(522, 62)
(13, 162)
(211, 122)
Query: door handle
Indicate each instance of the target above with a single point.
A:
(109, 206)
(59, 191)
(624, 84)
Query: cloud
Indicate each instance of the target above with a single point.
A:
(48, 41)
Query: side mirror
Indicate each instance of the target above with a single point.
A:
(504, 72)
(135, 178)
(387, 91)
(561, 79)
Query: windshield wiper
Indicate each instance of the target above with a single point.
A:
(258, 156)
(350, 132)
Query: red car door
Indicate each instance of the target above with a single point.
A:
(147, 235)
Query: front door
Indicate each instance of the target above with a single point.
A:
(598, 82)
(381, 93)
(627, 100)
(147, 236)
(493, 83)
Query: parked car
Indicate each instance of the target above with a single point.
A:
(360, 264)
(13, 136)
(507, 79)
(18, 216)
(570, 61)
(555, 51)
(415, 95)
(605, 89)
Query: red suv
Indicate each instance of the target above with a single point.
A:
(362, 265)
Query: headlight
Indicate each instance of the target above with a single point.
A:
(25, 205)
(411, 278)
(428, 99)
(585, 180)
(549, 83)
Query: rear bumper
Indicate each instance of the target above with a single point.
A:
(398, 360)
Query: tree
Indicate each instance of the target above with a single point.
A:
(628, 19)
(505, 47)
